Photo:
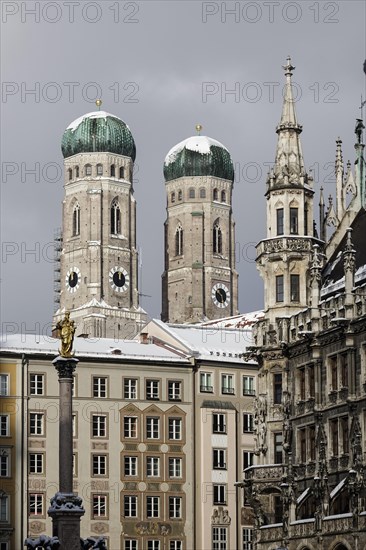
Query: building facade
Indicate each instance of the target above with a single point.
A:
(307, 490)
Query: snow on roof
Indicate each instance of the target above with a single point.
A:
(93, 114)
(200, 144)
(87, 347)
(245, 320)
(210, 342)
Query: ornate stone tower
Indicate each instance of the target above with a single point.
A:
(199, 280)
(283, 258)
(99, 256)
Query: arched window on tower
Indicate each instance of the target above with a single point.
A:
(180, 195)
(113, 171)
(77, 172)
(202, 193)
(121, 172)
(70, 174)
(88, 170)
(191, 193)
(172, 197)
(179, 241)
(115, 218)
(223, 196)
(99, 170)
(217, 239)
(215, 195)
(76, 220)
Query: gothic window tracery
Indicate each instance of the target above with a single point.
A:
(217, 238)
(115, 218)
(179, 241)
(76, 220)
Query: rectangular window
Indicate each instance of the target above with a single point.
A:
(74, 464)
(130, 426)
(218, 423)
(302, 444)
(294, 223)
(152, 427)
(130, 388)
(36, 384)
(36, 463)
(4, 508)
(130, 465)
(175, 467)
(99, 465)
(248, 423)
(153, 544)
(248, 385)
(4, 384)
(4, 546)
(4, 425)
(302, 384)
(227, 384)
(99, 506)
(278, 448)
(175, 428)
(279, 288)
(175, 507)
(36, 424)
(206, 382)
(345, 435)
(99, 425)
(36, 504)
(334, 372)
(152, 507)
(278, 509)
(219, 538)
(99, 386)
(248, 459)
(153, 466)
(311, 378)
(174, 390)
(295, 288)
(279, 221)
(344, 370)
(219, 459)
(248, 539)
(4, 463)
(312, 443)
(334, 435)
(130, 544)
(219, 493)
(175, 545)
(74, 425)
(277, 388)
(130, 506)
(152, 389)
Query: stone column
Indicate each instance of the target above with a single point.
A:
(66, 507)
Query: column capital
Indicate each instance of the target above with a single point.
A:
(65, 366)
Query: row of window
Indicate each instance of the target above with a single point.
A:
(100, 387)
(153, 544)
(216, 239)
(201, 194)
(338, 375)
(227, 384)
(294, 221)
(115, 219)
(88, 171)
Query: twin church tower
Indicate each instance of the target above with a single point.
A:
(99, 259)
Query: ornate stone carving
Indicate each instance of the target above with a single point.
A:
(220, 516)
(66, 502)
(260, 414)
(37, 526)
(100, 528)
(153, 528)
(65, 367)
(49, 543)
(91, 543)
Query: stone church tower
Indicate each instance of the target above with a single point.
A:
(99, 256)
(199, 281)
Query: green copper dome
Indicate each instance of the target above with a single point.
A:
(98, 132)
(198, 156)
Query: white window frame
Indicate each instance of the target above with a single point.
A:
(219, 538)
(4, 384)
(36, 384)
(175, 426)
(152, 389)
(248, 385)
(248, 539)
(99, 506)
(99, 425)
(248, 423)
(130, 427)
(36, 503)
(175, 545)
(5, 462)
(130, 506)
(130, 388)
(175, 467)
(206, 384)
(99, 465)
(4, 425)
(221, 423)
(219, 494)
(152, 427)
(130, 544)
(100, 386)
(4, 507)
(153, 544)
(175, 507)
(36, 463)
(36, 423)
(227, 384)
(250, 458)
(153, 466)
(152, 506)
(130, 466)
(219, 459)
(174, 390)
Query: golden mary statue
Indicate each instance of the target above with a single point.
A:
(66, 329)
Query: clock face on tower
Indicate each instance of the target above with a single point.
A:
(220, 295)
(119, 279)
(72, 279)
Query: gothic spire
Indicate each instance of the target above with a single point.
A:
(289, 163)
(339, 173)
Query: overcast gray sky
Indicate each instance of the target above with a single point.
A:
(163, 67)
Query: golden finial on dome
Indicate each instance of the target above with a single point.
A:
(198, 129)
(98, 103)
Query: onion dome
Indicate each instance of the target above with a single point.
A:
(98, 132)
(198, 156)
